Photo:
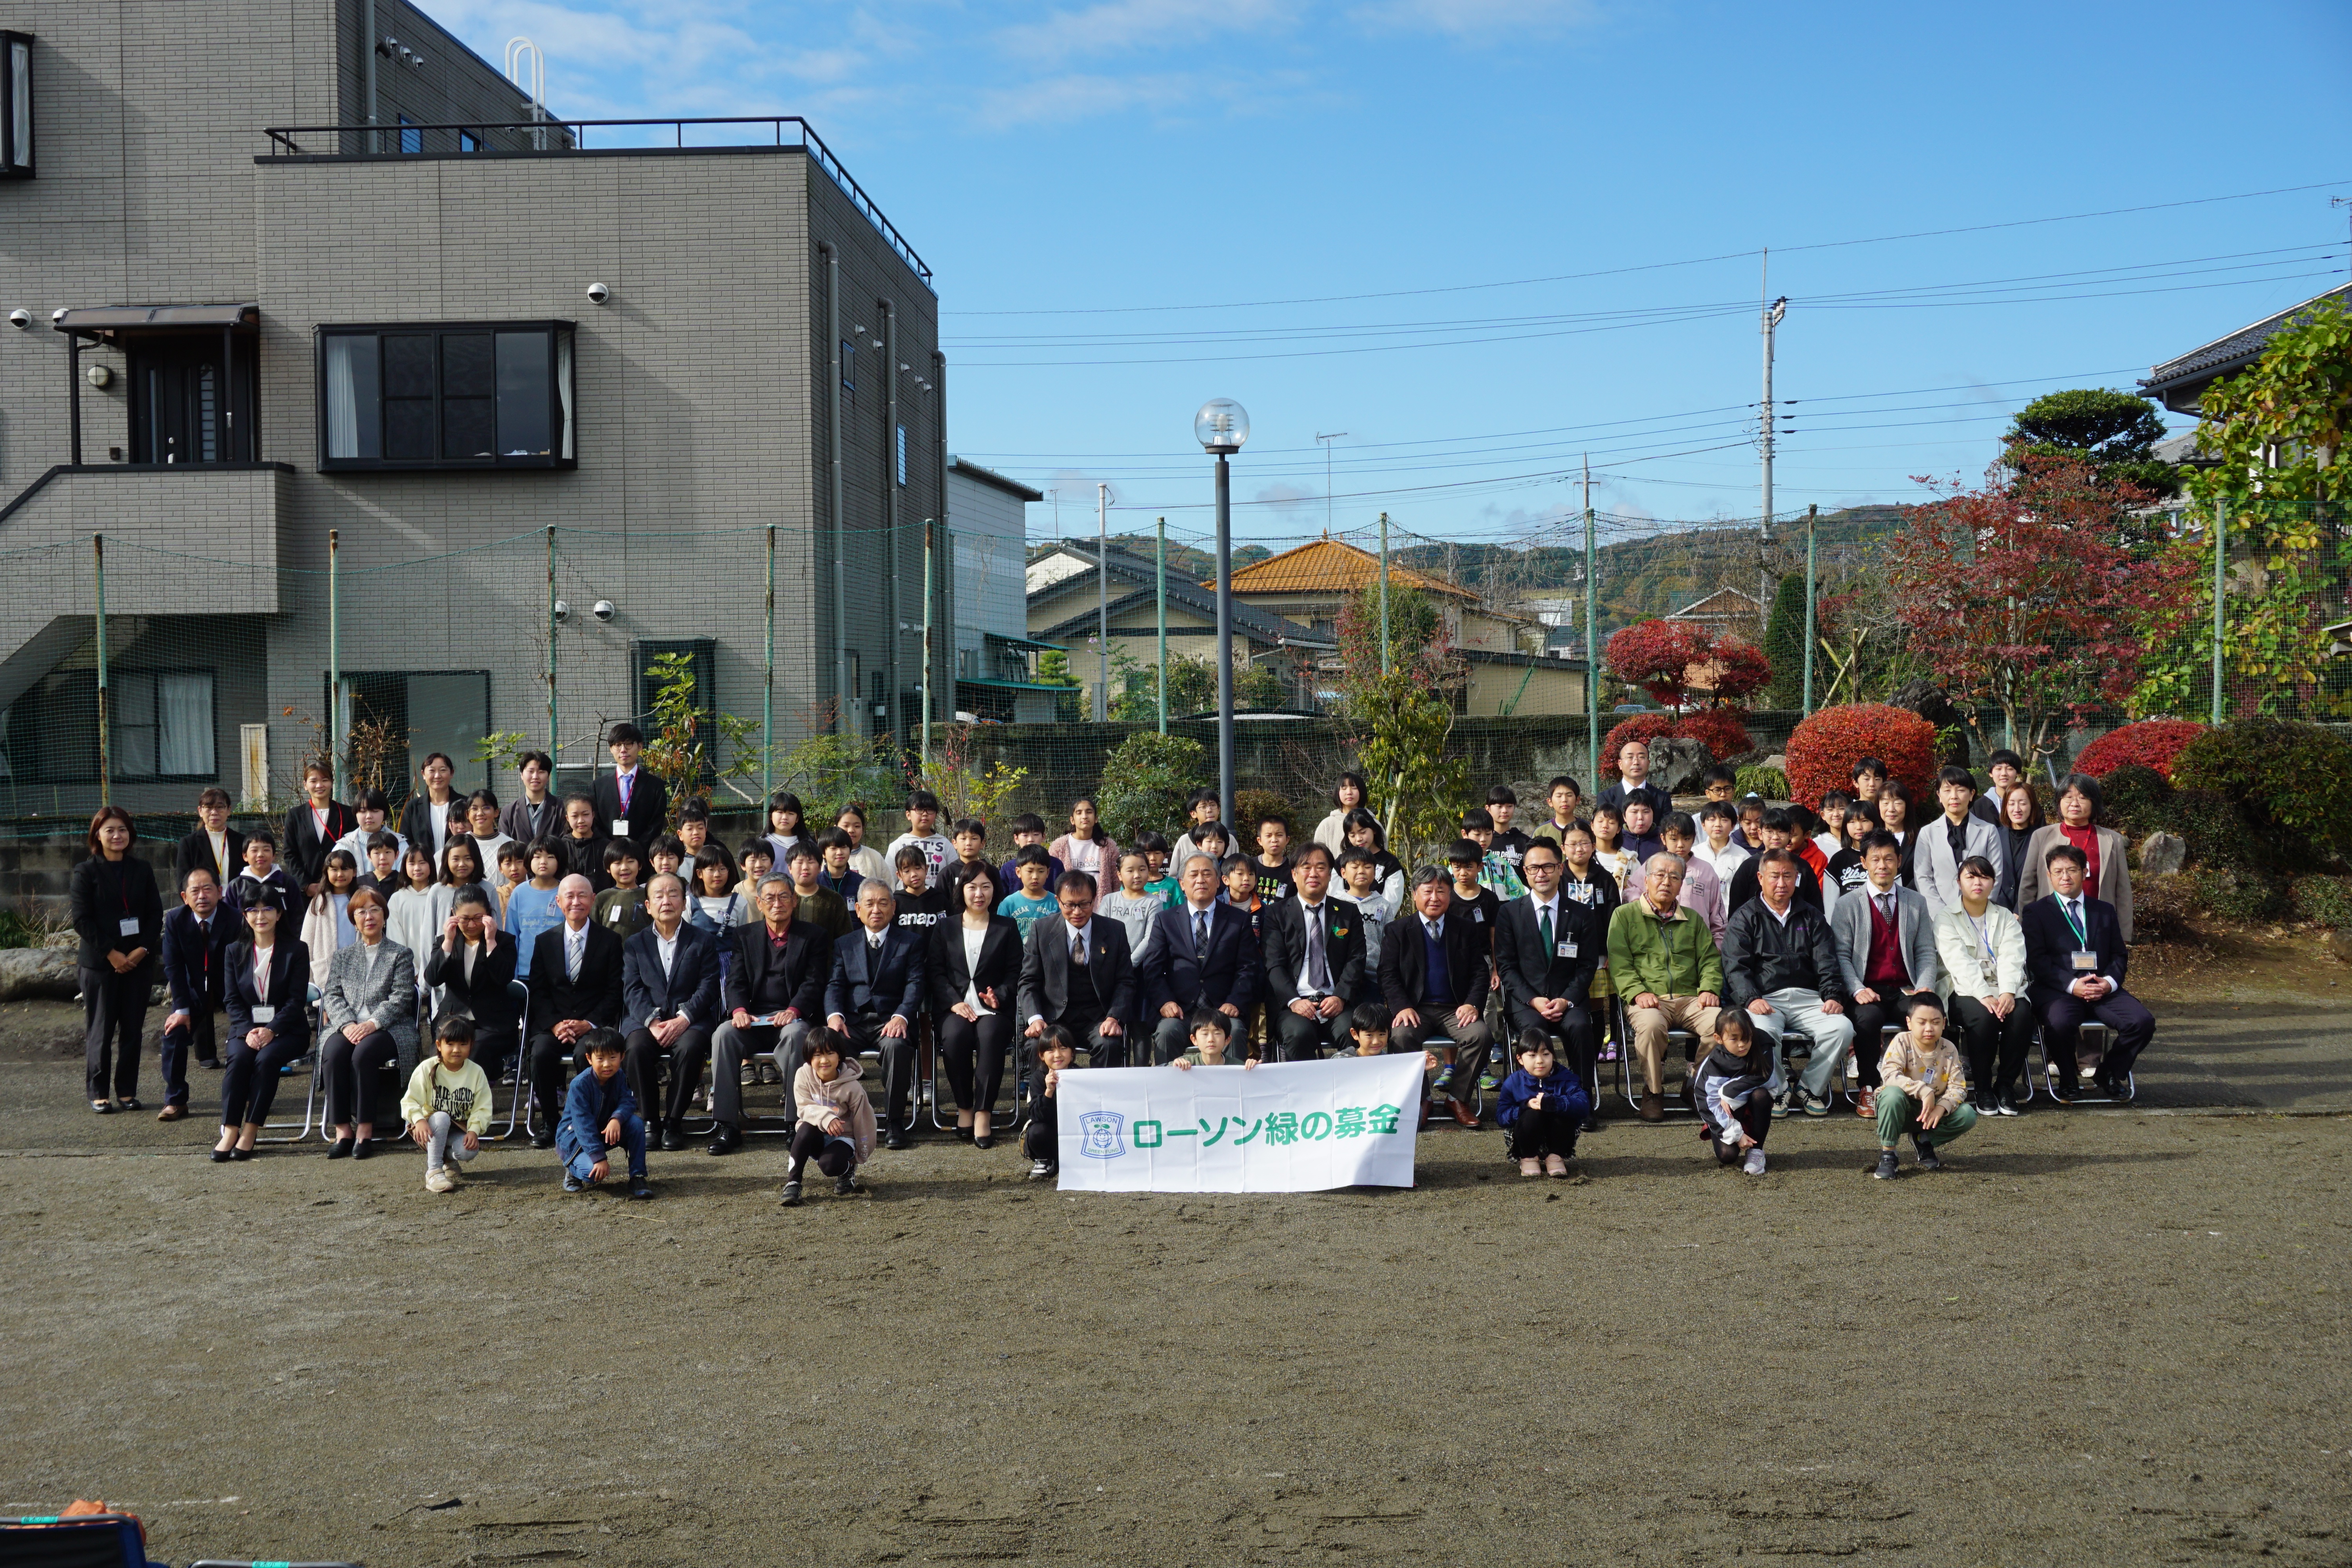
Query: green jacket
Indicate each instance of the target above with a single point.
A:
(1676, 957)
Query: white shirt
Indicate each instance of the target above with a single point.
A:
(261, 956)
(437, 812)
(1313, 916)
(973, 941)
(1781, 915)
(575, 950)
(666, 946)
(220, 856)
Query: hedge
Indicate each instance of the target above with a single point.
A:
(1823, 748)
(2152, 743)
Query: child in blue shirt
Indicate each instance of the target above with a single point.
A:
(1032, 903)
(1541, 1106)
(599, 1112)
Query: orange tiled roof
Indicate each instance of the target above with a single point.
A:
(1332, 566)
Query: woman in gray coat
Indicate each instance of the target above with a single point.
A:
(369, 1008)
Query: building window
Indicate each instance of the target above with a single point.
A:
(468, 142)
(52, 732)
(16, 106)
(411, 139)
(848, 366)
(481, 395)
(163, 723)
(702, 656)
(902, 454)
(398, 718)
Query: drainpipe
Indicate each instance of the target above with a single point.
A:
(367, 55)
(73, 392)
(890, 514)
(844, 722)
(946, 524)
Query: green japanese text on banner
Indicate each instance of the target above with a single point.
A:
(1290, 1128)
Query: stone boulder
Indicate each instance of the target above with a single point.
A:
(2339, 943)
(2162, 854)
(1675, 764)
(47, 973)
(1778, 762)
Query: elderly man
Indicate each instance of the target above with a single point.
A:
(876, 994)
(575, 986)
(1664, 964)
(773, 987)
(1780, 963)
(1200, 954)
(1434, 970)
(670, 990)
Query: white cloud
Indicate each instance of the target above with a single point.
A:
(1121, 26)
(1477, 21)
(1073, 96)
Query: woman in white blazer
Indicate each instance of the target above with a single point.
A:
(1982, 949)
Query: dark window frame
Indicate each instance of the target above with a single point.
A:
(400, 783)
(468, 142)
(58, 719)
(560, 429)
(704, 651)
(115, 678)
(411, 136)
(11, 165)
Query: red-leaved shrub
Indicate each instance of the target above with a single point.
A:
(1824, 748)
(1719, 730)
(2152, 743)
(1643, 727)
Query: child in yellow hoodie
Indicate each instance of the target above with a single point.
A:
(447, 1105)
(1922, 1090)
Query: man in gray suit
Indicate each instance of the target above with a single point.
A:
(1946, 843)
(1886, 951)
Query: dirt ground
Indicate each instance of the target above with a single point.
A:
(2099, 1337)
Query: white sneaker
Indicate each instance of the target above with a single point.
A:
(1754, 1164)
(438, 1181)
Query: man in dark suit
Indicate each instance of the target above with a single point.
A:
(471, 966)
(1548, 947)
(195, 952)
(772, 992)
(311, 829)
(631, 803)
(876, 994)
(669, 1001)
(1201, 954)
(1077, 972)
(2075, 958)
(575, 986)
(215, 845)
(1433, 981)
(1314, 960)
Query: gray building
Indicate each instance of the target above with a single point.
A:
(296, 269)
(995, 657)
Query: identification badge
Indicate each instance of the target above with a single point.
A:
(620, 828)
(264, 1013)
(1479, 916)
(129, 925)
(1989, 974)
(2086, 962)
(1563, 950)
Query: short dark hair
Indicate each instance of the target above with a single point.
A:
(1951, 774)
(1534, 845)
(1031, 855)
(2003, 755)
(2065, 852)
(909, 855)
(1529, 1042)
(2088, 788)
(373, 799)
(1210, 1018)
(627, 733)
(196, 871)
(1351, 855)
(542, 758)
(693, 811)
(1028, 821)
(1720, 773)
(756, 845)
(1777, 857)
(824, 1041)
(455, 1026)
(1835, 797)
(384, 838)
(1370, 1018)
(1717, 808)
(1203, 797)
(1923, 999)
(922, 800)
(1868, 765)
(1312, 848)
(1148, 841)
(965, 872)
(1879, 838)
(1056, 1038)
(800, 849)
(1679, 822)
(667, 844)
(1274, 816)
(1465, 852)
(1479, 819)
(619, 849)
(1237, 861)
(1777, 820)
(262, 836)
(972, 825)
(1979, 865)
(1560, 780)
(1077, 882)
(831, 838)
(1502, 795)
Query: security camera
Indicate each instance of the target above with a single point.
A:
(563, 611)
(20, 319)
(598, 293)
(602, 610)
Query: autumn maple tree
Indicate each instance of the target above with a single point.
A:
(1674, 661)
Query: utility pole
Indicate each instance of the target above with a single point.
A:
(1773, 310)
(1384, 596)
(1163, 626)
(1812, 515)
(1327, 441)
(1591, 640)
(1102, 604)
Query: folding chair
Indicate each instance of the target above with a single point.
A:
(1630, 1086)
(80, 1540)
(314, 1100)
(516, 1072)
(2084, 1093)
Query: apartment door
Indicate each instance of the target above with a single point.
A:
(187, 401)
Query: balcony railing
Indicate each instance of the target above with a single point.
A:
(553, 138)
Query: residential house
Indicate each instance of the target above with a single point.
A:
(988, 519)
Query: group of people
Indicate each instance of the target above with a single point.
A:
(611, 950)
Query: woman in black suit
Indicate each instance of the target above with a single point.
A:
(119, 915)
(975, 971)
(268, 1026)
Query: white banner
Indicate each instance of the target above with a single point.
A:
(1297, 1127)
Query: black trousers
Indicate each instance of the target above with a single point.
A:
(897, 1063)
(114, 1011)
(1576, 1039)
(642, 1059)
(354, 1073)
(1754, 1115)
(1297, 1039)
(171, 1054)
(1541, 1132)
(971, 1052)
(833, 1157)
(1995, 1048)
(494, 1044)
(2062, 1018)
(1042, 1138)
(550, 1068)
(1869, 1019)
(249, 1081)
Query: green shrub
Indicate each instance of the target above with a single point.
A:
(2218, 836)
(2161, 907)
(16, 930)
(1769, 783)
(2139, 801)
(2244, 897)
(2294, 782)
(1144, 781)
(1249, 804)
(2323, 901)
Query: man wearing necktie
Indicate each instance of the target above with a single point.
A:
(195, 946)
(575, 986)
(1077, 972)
(1887, 950)
(631, 803)
(2076, 959)
(1201, 955)
(1435, 976)
(874, 995)
(1548, 947)
(1313, 960)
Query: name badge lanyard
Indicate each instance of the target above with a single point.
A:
(1984, 936)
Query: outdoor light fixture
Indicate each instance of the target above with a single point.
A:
(1222, 426)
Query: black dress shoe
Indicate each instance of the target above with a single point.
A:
(210, 1064)
(339, 1150)
(897, 1140)
(673, 1139)
(640, 1189)
(363, 1148)
(545, 1140)
(223, 1156)
(727, 1140)
(240, 1153)
(986, 1141)
(964, 1135)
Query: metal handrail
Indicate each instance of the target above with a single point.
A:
(284, 144)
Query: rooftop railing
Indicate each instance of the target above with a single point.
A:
(554, 138)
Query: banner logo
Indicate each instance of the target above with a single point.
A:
(1099, 1133)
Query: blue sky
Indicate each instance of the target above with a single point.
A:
(1482, 237)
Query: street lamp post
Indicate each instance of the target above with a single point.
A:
(1222, 426)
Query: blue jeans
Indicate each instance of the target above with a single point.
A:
(580, 1161)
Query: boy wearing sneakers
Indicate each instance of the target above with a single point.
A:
(599, 1113)
(1921, 1090)
(448, 1104)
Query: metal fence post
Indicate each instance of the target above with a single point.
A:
(2221, 601)
(105, 747)
(768, 695)
(1812, 515)
(930, 528)
(1384, 596)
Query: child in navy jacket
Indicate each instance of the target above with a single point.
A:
(1541, 1106)
(599, 1111)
